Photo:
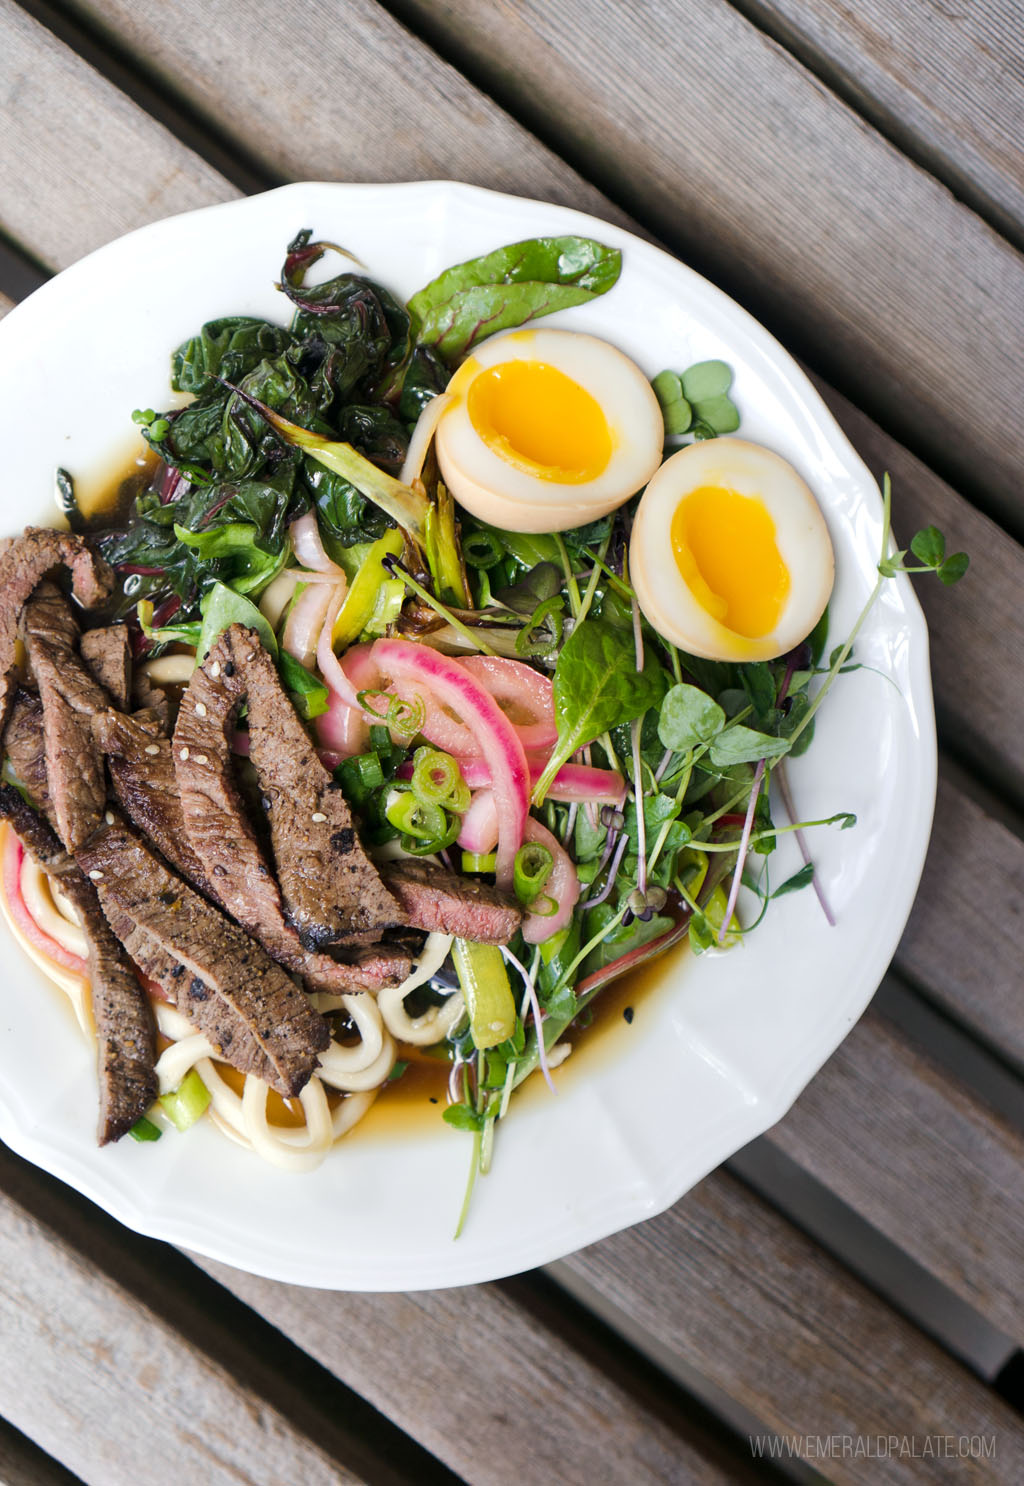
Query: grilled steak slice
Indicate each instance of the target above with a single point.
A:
(142, 773)
(436, 900)
(125, 1032)
(328, 884)
(215, 953)
(23, 565)
(23, 745)
(107, 653)
(208, 1013)
(70, 698)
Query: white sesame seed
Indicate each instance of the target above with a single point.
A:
(152, 749)
(201, 758)
(183, 755)
(200, 709)
(95, 874)
(215, 668)
(109, 817)
(319, 816)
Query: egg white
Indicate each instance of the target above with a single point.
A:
(497, 492)
(801, 536)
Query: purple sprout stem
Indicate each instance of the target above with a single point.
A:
(538, 1019)
(613, 872)
(790, 809)
(737, 876)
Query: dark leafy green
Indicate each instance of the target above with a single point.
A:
(506, 288)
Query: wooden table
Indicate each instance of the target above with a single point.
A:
(851, 1283)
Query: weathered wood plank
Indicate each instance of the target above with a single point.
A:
(976, 629)
(962, 945)
(109, 1388)
(480, 1384)
(78, 169)
(22, 1463)
(722, 1283)
(942, 81)
(901, 1142)
(728, 149)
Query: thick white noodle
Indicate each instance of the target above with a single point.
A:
(438, 1021)
(296, 1150)
(341, 1060)
(35, 889)
(169, 670)
(333, 1070)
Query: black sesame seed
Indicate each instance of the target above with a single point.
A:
(229, 668)
(627, 1014)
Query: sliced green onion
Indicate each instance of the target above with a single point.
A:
(488, 995)
(526, 644)
(473, 861)
(482, 549)
(144, 1129)
(187, 1102)
(437, 780)
(531, 870)
(400, 717)
(425, 828)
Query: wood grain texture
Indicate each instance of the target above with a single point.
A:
(976, 630)
(723, 1283)
(480, 1384)
(729, 150)
(82, 164)
(110, 1389)
(337, 96)
(943, 81)
(963, 944)
(900, 1141)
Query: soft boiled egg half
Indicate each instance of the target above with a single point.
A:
(547, 429)
(730, 556)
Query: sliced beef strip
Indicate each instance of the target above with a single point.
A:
(328, 884)
(70, 698)
(23, 745)
(107, 653)
(214, 951)
(208, 1012)
(227, 846)
(437, 900)
(125, 1031)
(142, 772)
(23, 565)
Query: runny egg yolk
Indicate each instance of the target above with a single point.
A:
(725, 549)
(540, 421)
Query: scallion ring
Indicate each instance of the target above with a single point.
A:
(530, 872)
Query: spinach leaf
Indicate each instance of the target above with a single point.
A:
(227, 348)
(597, 687)
(221, 608)
(506, 288)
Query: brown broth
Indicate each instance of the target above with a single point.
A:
(105, 498)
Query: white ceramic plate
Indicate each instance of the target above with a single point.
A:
(719, 1051)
